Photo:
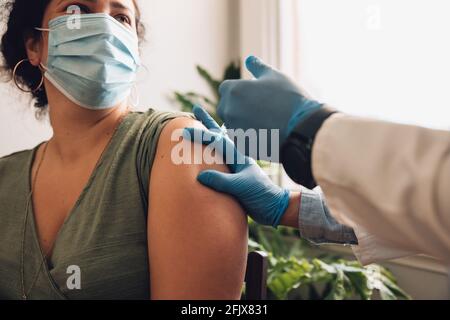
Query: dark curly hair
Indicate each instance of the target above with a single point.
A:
(22, 17)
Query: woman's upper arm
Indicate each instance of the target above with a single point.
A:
(197, 237)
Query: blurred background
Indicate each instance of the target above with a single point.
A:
(387, 59)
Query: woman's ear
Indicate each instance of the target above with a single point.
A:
(33, 48)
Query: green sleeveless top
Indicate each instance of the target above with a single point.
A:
(105, 235)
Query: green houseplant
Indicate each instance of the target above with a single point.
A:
(297, 270)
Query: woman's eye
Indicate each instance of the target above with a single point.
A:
(123, 19)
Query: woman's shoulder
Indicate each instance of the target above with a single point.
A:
(15, 159)
(145, 132)
(149, 124)
(13, 168)
(154, 117)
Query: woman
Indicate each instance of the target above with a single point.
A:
(100, 211)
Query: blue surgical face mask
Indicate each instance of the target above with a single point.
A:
(95, 65)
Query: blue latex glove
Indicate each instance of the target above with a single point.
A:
(272, 101)
(265, 202)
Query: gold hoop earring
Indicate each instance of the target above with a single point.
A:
(17, 83)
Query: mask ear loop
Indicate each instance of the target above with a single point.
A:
(135, 93)
(134, 90)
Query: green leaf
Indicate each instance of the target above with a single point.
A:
(338, 292)
(360, 284)
(288, 275)
(324, 266)
(202, 99)
(186, 104)
(213, 83)
(394, 288)
(232, 72)
(255, 246)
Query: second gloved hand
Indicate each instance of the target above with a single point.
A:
(272, 101)
(265, 202)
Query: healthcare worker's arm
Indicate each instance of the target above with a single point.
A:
(265, 202)
(393, 180)
(268, 204)
(389, 179)
(317, 225)
(373, 249)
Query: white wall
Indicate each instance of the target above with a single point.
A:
(180, 34)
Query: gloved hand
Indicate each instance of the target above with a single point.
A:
(264, 201)
(272, 101)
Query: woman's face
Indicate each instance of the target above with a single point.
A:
(123, 11)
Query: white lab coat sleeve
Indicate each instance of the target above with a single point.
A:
(390, 180)
(317, 225)
(371, 249)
